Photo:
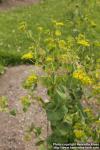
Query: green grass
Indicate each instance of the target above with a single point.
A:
(13, 43)
(2, 69)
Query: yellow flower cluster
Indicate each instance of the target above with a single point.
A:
(25, 100)
(87, 110)
(58, 24)
(62, 44)
(97, 70)
(49, 59)
(32, 78)
(40, 28)
(27, 56)
(22, 26)
(82, 76)
(30, 81)
(98, 121)
(79, 133)
(50, 42)
(83, 42)
(3, 104)
(58, 33)
(97, 87)
(63, 58)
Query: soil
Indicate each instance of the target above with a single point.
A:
(6, 4)
(13, 128)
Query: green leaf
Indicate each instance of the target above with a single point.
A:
(42, 147)
(13, 112)
(68, 118)
(37, 131)
(40, 142)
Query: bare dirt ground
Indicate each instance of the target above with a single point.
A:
(13, 128)
(6, 4)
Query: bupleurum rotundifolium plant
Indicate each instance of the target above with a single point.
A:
(71, 76)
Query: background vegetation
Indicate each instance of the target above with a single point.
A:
(13, 44)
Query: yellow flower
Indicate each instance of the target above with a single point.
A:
(59, 24)
(62, 44)
(49, 59)
(25, 100)
(83, 42)
(27, 56)
(79, 133)
(87, 110)
(82, 76)
(22, 26)
(98, 122)
(51, 44)
(87, 80)
(32, 78)
(97, 71)
(97, 87)
(3, 104)
(63, 58)
(58, 33)
(30, 81)
(40, 28)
